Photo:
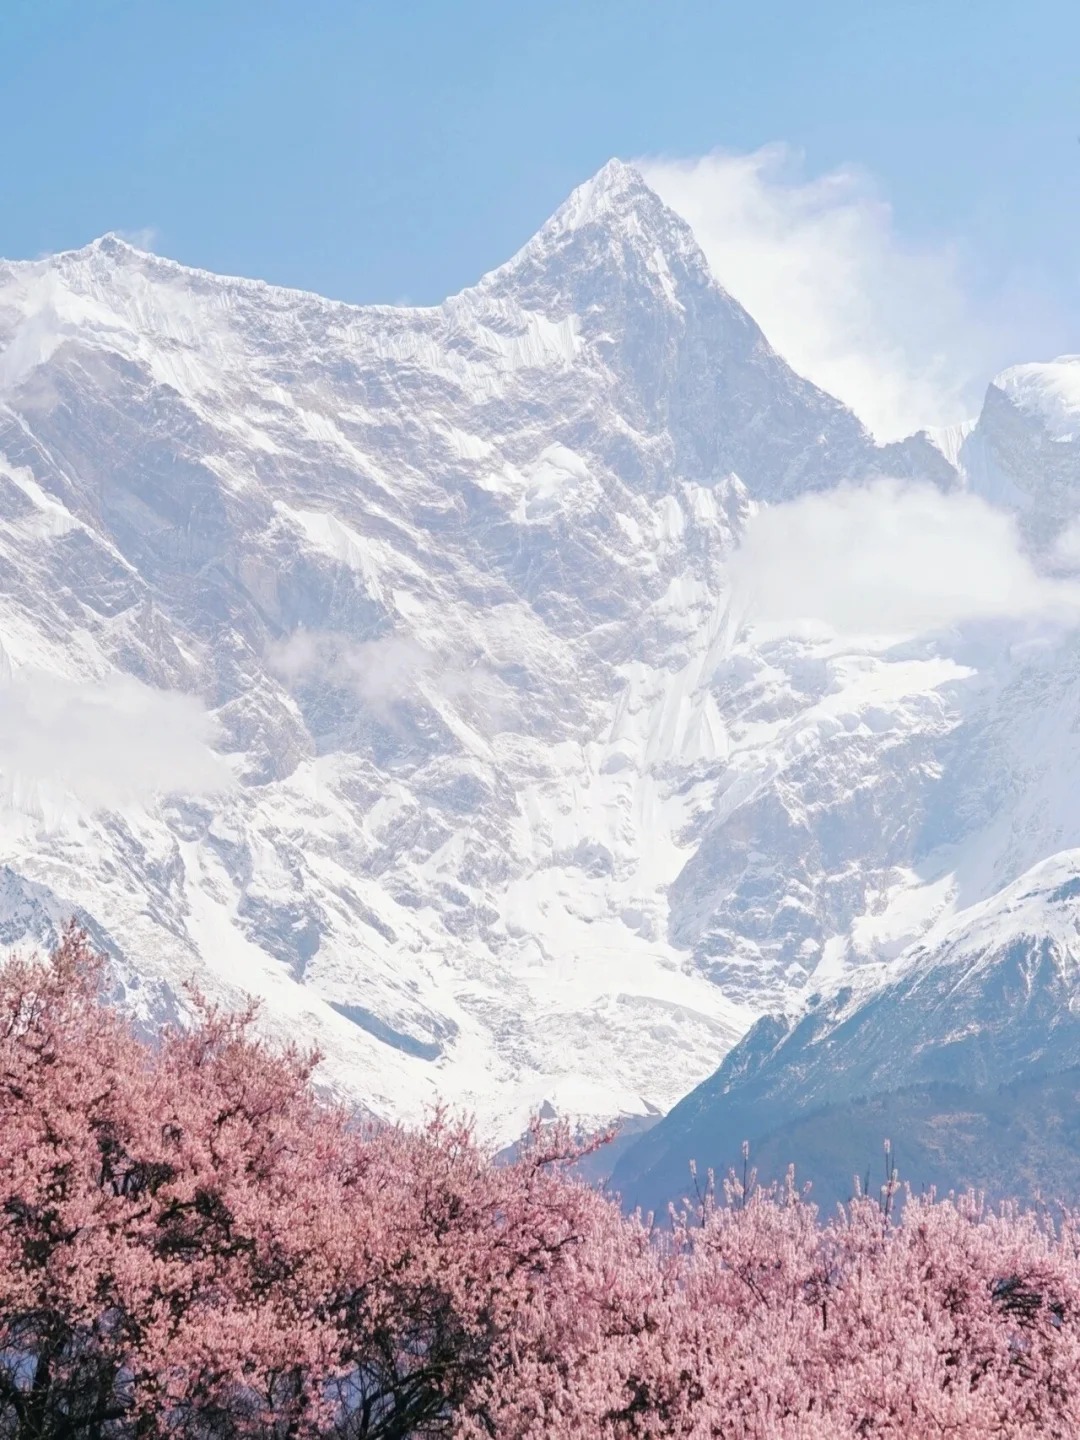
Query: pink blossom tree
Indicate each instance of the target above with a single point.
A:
(162, 1216)
(191, 1244)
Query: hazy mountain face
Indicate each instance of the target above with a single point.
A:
(387, 664)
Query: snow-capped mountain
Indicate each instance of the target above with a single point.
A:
(1025, 451)
(445, 580)
(984, 1001)
(380, 662)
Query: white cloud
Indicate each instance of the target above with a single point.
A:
(97, 745)
(889, 559)
(1065, 553)
(892, 328)
(383, 673)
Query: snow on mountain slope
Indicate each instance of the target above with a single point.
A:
(31, 917)
(490, 793)
(964, 972)
(989, 997)
(833, 764)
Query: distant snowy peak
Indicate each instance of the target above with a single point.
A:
(1024, 453)
(1048, 392)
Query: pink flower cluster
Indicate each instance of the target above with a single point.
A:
(191, 1244)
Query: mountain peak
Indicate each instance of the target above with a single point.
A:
(618, 198)
(109, 246)
(1048, 391)
(613, 211)
(114, 244)
(616, 187)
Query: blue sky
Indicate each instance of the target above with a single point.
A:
(395, 151)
